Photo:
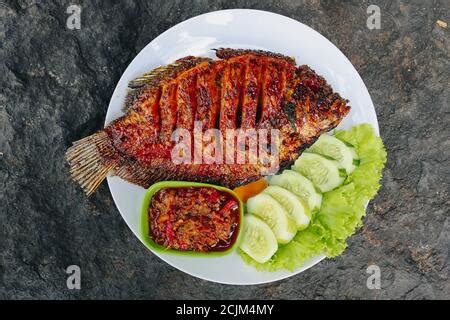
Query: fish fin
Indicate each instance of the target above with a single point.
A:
(155, 77)
(226, 53)
(90, 160)
(144, 176)
(132, 172)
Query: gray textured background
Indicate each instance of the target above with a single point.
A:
(55, 88)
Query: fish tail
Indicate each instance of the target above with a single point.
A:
(90, 160)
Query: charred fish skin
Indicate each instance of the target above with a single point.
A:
(227, 53)
(246, 89)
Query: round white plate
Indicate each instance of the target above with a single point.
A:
(237, 29)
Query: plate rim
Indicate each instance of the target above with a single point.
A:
(315, 260)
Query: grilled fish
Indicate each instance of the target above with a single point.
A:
(243, 89)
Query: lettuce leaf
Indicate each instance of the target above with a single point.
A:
(342, 209)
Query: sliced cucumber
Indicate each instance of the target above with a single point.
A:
(334, 148)
(294, 205)
(298, 185)
(323, 173)
(258, 240)
(272, 213)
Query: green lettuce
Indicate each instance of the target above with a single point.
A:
(342, 209)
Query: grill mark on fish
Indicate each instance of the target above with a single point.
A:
(204, 99)
(261, 80)
(243, 70)
(168, 110)
(208, 97)
(273, 88)
(186, 100)
(217, 85)
(225, 85)
(151, 111)
(250, 93)
(230, 96)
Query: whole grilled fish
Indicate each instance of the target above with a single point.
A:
(244, 89)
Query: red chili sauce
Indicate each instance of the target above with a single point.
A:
(201, 219)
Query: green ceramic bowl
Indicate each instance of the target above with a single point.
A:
(178, 184)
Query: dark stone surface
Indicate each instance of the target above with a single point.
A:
(56, 85)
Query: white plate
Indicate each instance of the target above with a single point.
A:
(237, 29)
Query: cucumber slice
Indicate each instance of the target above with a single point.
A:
(272, 213)
(295, 206)
(334, 148)
(298, 185)
(323, 173)
(258, 240)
